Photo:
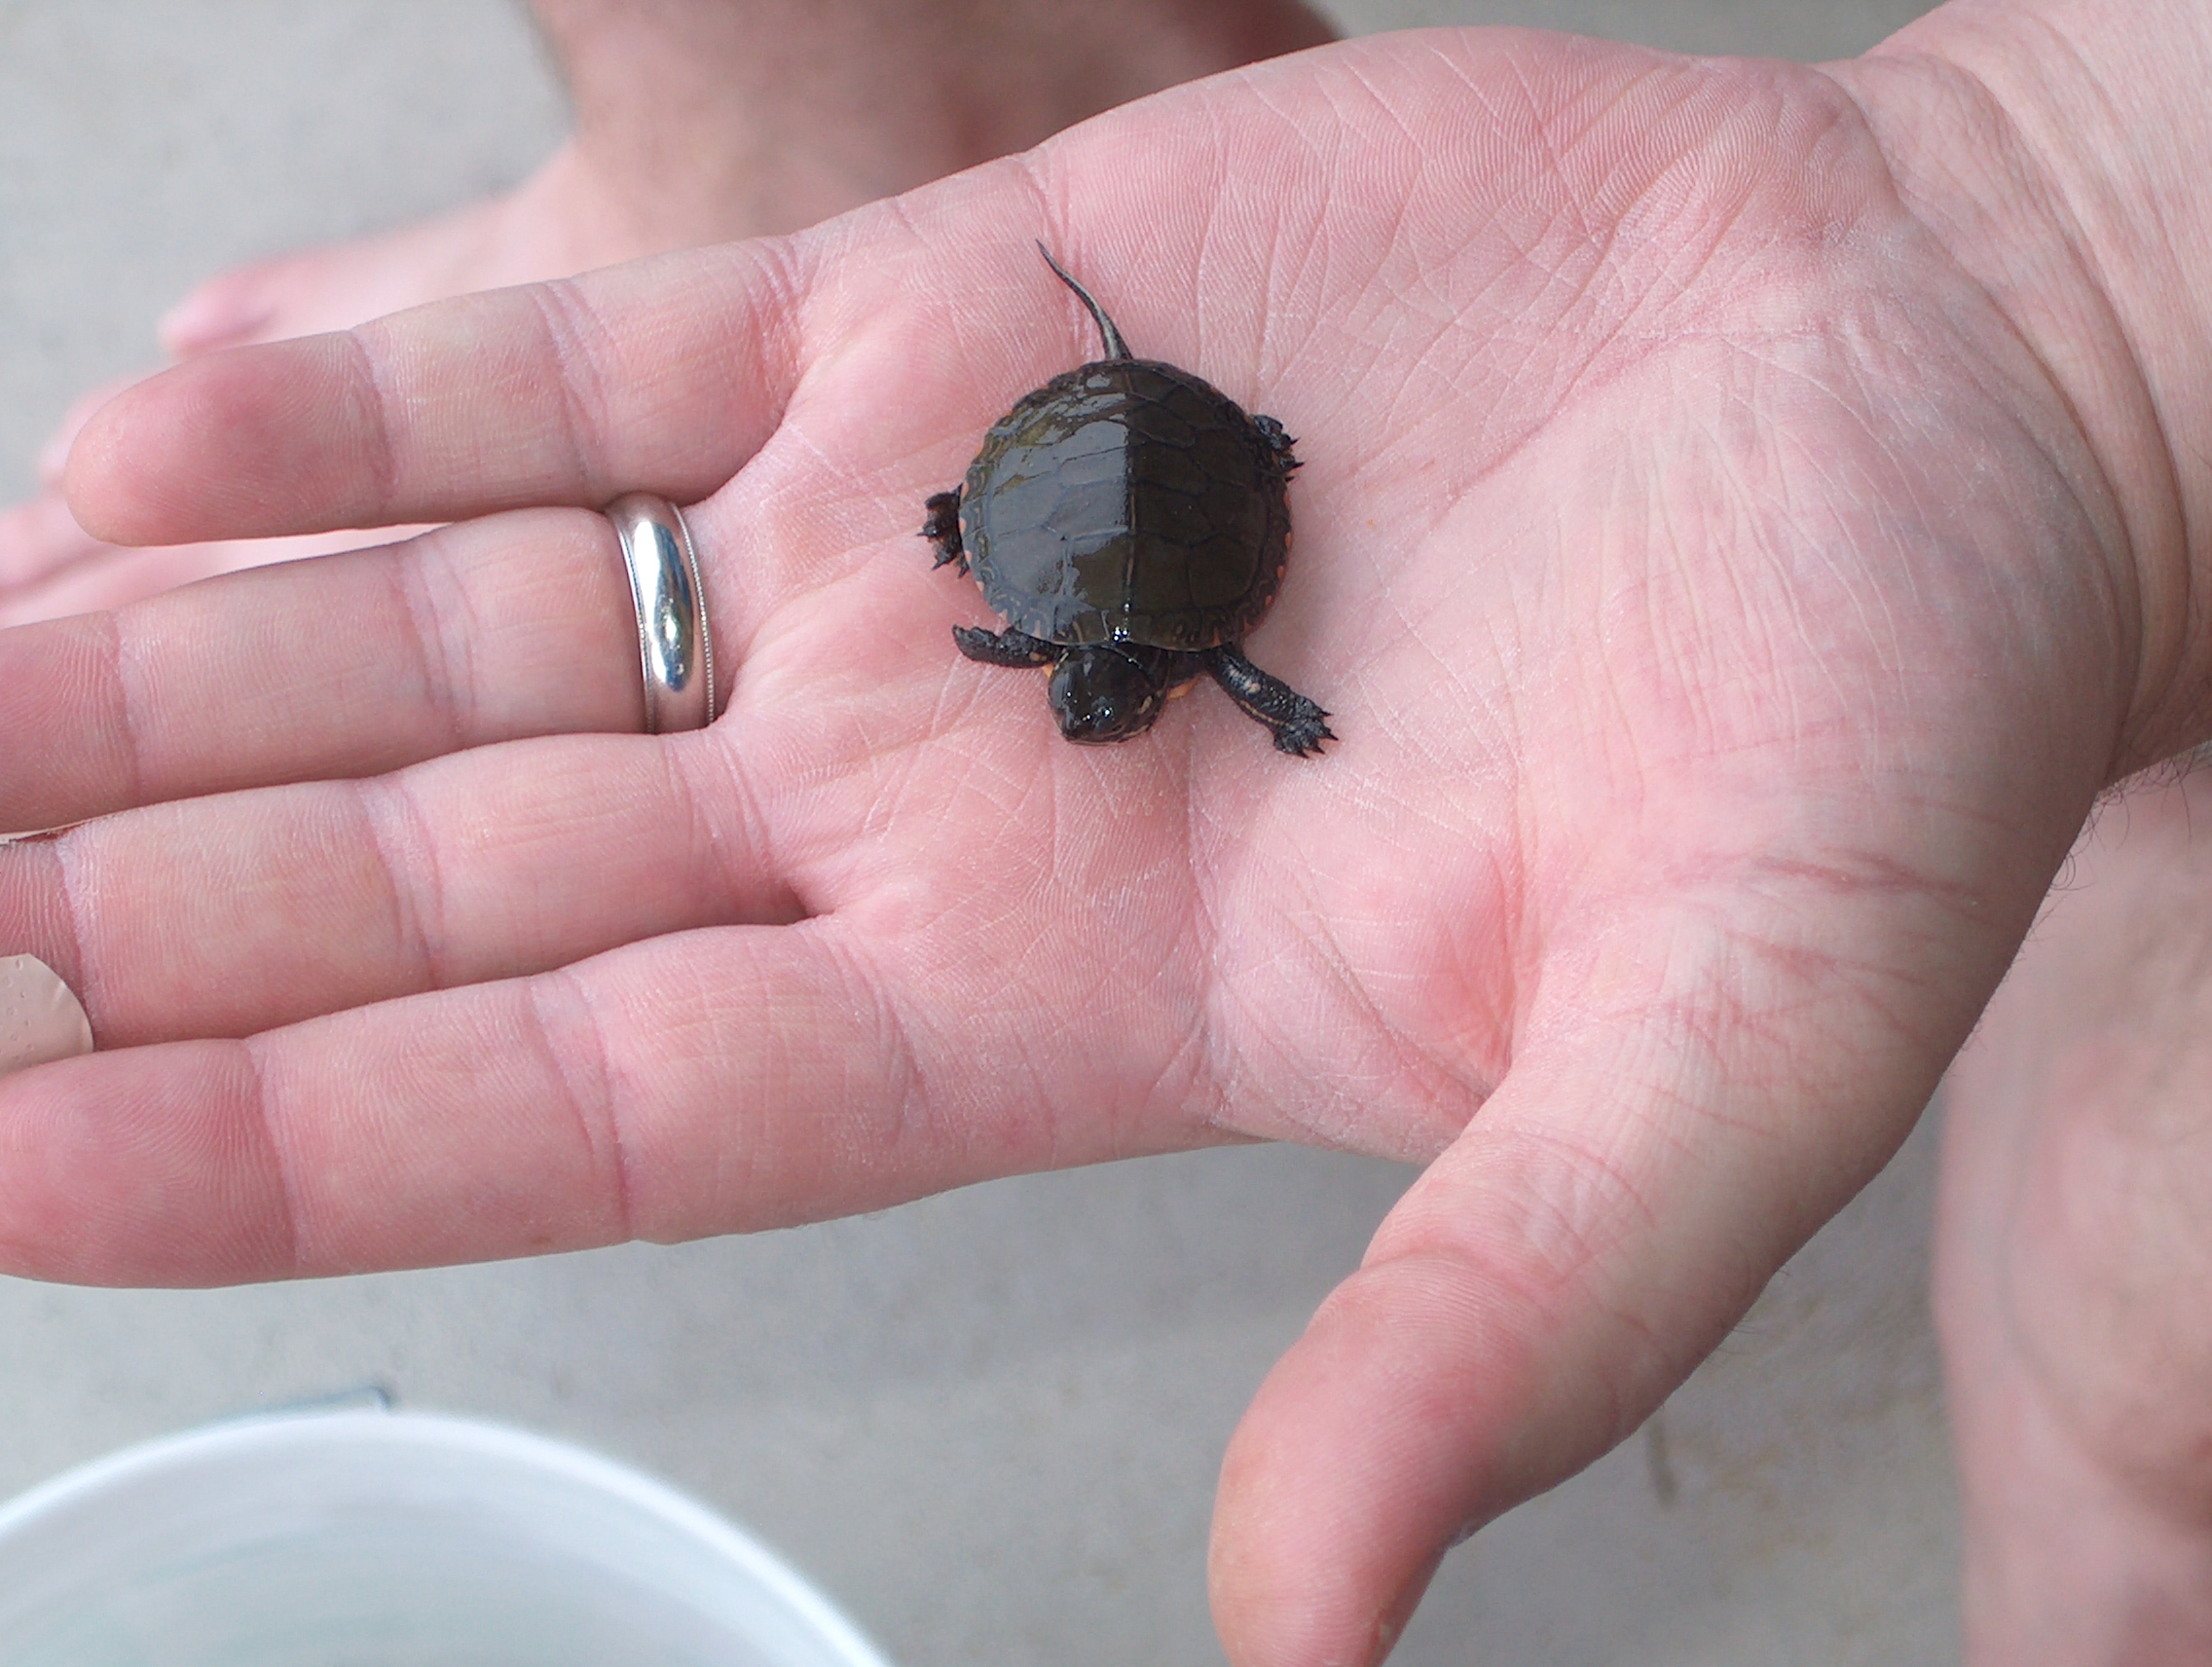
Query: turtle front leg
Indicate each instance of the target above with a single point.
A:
(942, 527)
(1296, 723)
(1007, 648)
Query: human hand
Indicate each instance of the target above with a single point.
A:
(1727, 613)
(2072, 1255)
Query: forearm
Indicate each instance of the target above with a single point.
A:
(2061, 149)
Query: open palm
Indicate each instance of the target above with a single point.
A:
(1716, 606)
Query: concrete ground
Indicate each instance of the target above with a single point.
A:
(987, 1423)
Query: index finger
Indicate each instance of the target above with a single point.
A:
(663, 375)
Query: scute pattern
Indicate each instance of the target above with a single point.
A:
(1128, 500)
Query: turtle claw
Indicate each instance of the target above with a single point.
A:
(1278, 441)
(1302, 737)
(943, 529)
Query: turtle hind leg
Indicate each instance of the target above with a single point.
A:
(942, 527)
(1007, 648)
(1278, 442)
(1297, 725)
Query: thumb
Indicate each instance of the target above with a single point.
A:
(1616, 1204)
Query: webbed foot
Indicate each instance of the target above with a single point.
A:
(1297, 725)
(1007, 648)
(1278, 441)
(942, 527)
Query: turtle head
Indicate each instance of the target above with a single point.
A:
(1104, 694)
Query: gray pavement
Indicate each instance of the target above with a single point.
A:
(987, 1423)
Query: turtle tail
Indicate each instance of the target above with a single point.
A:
(1116, 348)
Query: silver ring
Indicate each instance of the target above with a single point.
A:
(674, 648)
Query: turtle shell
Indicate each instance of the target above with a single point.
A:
(1128, 501)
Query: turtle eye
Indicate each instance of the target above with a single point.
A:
(1100, 695)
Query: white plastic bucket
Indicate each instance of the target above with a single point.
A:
(375, 1539)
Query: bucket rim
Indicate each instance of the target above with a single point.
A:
(325, 1428)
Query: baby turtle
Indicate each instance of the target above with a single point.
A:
(1130, 524)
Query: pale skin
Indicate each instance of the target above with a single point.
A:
(1750, 513)
(2070, 1284)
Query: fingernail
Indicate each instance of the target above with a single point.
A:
(41, 1020)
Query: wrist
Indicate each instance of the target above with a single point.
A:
(2057, 147)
